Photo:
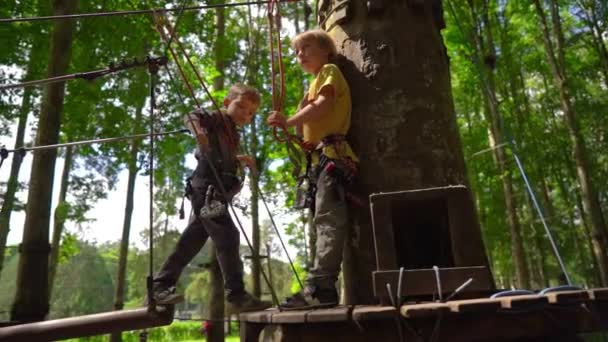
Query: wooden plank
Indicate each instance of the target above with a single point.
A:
(600, 294)
(475, 305)
(465, 232)
(567, 297)
(296, 316)
(424, 310)
(337, 314)
(89, 325)
(258, 316)
(373, 312)
(384, 237)
(422, 281)
(524, 302)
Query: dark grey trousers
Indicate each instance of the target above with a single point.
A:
(225, 237)
(330, 222)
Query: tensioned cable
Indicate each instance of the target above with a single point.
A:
(90, 75)
(133, 12)
(274, 225)
(510, 143)
(94, 141)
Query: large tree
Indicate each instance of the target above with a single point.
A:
(403, 125)
(32, 298)
(555, 49)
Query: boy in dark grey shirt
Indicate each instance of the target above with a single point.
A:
(210, 188)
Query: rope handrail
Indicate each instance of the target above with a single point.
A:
(133, 12)
(90, 75)
(93, 141)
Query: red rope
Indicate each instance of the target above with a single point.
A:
(276, 62)
(231, 139)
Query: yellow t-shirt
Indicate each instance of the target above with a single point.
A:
(337, 121)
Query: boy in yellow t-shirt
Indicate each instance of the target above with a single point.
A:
(323, 121)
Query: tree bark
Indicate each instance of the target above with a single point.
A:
(496, 128)
(121, 272)
(32, 297)
(35, 54)
(403, 122)
(556, 58)
(61, 212)
(13, 180)
(591, 19)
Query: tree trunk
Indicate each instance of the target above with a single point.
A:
(591, 20)
(34, 57)
(572, 207)
(13, 180)
(60, 216)
(32, 297)
(487, 53)
(556, 58)
(123, 255)
(404, 132)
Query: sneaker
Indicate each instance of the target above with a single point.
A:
(311, 297)
(167, 296)
(244, 302)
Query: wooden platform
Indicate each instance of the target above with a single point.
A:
(560, 316)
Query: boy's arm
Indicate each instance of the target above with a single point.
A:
(314, 110)
(192, 123)
(303, 103)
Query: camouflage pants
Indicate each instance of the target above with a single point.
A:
(330, 223)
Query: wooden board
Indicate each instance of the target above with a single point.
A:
(88, 325)
(524, 302)
(422, 281)
(475, 305)
(424, 310)
(567, 297)
(297, 316)
(600, 294)
(337, 314)
(373, 312)
(258, 316)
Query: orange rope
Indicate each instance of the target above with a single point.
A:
(161, 25)
(276, 62)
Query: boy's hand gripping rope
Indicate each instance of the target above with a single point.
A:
(281, 133)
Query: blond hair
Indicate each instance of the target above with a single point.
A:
(240, 89)
(324, 40)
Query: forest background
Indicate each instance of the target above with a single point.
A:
(529, 80)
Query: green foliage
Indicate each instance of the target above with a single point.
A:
(118, 105)
(82, 275)
(69, 247)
